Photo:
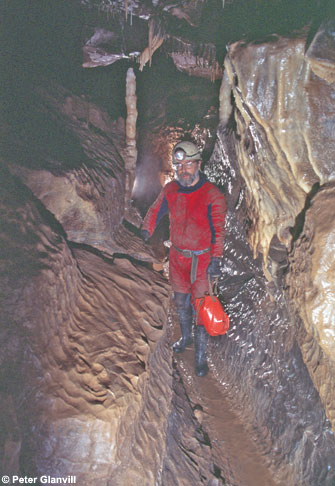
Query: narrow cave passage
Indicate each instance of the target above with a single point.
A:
(89, 386)
(172, 106)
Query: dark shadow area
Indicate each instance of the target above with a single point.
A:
(300, 219)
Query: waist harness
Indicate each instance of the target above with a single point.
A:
(194, 255)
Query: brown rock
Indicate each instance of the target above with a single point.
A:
(312, 291)
(286, 146)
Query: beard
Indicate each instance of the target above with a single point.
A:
(186, 179)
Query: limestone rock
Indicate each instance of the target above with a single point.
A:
(91, 334)
(312, 291)
(86, 189)
(89, 385)
(321, 51)
(284, 119)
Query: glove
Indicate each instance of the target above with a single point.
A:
(145, 235)
(213, 269)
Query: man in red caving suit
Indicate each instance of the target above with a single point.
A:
(197, 210)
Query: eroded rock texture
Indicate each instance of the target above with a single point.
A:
(70, 170)
(79, 337)
(284, 116)
(276, 393)
(312, 290)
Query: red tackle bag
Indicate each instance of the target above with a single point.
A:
(212, 314)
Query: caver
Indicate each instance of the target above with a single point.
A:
(197, 210)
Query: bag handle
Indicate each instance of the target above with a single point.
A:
(213, 287)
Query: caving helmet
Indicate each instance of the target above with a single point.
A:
(185, 151)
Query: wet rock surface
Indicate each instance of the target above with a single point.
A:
(277, 392)
(286, 163)
(283, 119)
(311, 289)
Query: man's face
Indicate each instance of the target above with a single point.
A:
(188, 173)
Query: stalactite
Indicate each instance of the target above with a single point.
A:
(156, 37)
(198, 59)
(131, 100)
(126, 9)
(225, 108)
(150, 39)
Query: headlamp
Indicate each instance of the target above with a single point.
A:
(180, 155)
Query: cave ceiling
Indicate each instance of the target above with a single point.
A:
(195, 34)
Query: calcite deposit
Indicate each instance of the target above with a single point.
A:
(312, 289)
(283, 113)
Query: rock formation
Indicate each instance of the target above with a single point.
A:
(286, 135)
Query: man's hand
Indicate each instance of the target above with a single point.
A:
(213, 270)
(145, 235)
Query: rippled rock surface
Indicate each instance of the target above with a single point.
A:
(81, 336)
(87, 385)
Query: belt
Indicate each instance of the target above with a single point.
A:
(194, 255)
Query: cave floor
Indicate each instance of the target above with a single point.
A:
(242, 464)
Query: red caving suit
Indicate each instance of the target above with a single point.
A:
(197, 219)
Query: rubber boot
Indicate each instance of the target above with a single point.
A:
(185, 322)
(201, 339)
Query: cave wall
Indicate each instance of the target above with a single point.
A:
(311, 291)
(284, 116)
(274, 394)
(285, 121)
(279, 233)
(79, 333)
